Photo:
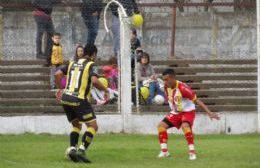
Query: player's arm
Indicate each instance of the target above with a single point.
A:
(206, 109)
(58, 76)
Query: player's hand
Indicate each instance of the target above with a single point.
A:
(58, 95)
(213, 116)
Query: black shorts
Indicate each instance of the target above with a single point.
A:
(82, 111)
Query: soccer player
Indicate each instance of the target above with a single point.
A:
(182, 100)
(80, 75)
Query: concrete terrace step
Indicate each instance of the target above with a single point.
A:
(21, 62)
(24, 87)
(19, 78)
(8, 70)
(192, 70)
(206, 61)
(17, 110)
(52, 101)
(50, 94)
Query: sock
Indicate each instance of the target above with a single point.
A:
(163, 139)
(74, 136)
(189, 138)
(87, 138)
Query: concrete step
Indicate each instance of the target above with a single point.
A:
(7, 70)
(22, 62)
(193, 70)
(19, 78)
(223, 85)
(53, 102)
(206, 62)
(51, 94)
(39, 110)
(25, 86)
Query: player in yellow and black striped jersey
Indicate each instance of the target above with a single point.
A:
(81, 74)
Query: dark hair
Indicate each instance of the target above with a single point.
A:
(134, 31)
(168, 72)
(56, 34)
(76, 52)
(90, 49)
(145, 55)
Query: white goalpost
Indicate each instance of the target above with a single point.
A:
(258, 64)
(124, 100)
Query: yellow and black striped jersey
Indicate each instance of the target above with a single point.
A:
(79, 75)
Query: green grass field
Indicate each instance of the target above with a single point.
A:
(137, 151)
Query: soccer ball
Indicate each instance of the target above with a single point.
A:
(137, 20)
(144, 92)
(158, 100)
(103, 81)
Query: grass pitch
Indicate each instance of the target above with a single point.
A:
(136, 151)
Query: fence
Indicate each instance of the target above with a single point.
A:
(212, 46)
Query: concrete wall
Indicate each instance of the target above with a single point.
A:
(230, 123)
(223, 34)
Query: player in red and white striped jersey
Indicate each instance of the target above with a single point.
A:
(182, 100)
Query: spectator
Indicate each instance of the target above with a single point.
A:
(147, 77)
(131, 8)
(55, 58)
(111, 73)
(42, 16)
(90, 13)
(79, 53)
(135, 42)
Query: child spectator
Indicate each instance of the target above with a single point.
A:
(111, 73)
(147, 77)
(55, 58)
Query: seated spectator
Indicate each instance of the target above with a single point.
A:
(111, 73)
(147, 77)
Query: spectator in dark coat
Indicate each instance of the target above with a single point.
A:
(42, 15)
(90, 13)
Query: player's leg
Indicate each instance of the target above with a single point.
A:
(74, 135)
(169, 121)
(163, 138)
(87, 138)
(86, 114)
(187, 130)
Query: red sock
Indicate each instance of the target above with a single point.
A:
(163, 139)
(189, 138)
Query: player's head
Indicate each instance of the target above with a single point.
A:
(79, 52)
(145, 58)
(90, 51)
(169, 78)
(56, 38)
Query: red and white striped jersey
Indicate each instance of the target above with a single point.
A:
(181, 98)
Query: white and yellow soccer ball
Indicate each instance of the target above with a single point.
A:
(158, 100)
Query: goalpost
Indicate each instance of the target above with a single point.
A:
(124, 100)
(258, 64)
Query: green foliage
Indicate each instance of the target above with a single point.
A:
(138, 151)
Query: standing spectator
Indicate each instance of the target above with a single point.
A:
(91, 14)
(42, 16)
(135, 42)
(55, 58)
(131, 8)
(147, 77)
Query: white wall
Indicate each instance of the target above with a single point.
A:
(238, 122)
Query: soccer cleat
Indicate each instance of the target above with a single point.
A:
(163, 154)
(192, 156)
(73, 155)
(82, 157)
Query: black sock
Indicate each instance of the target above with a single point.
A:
(74, 137)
